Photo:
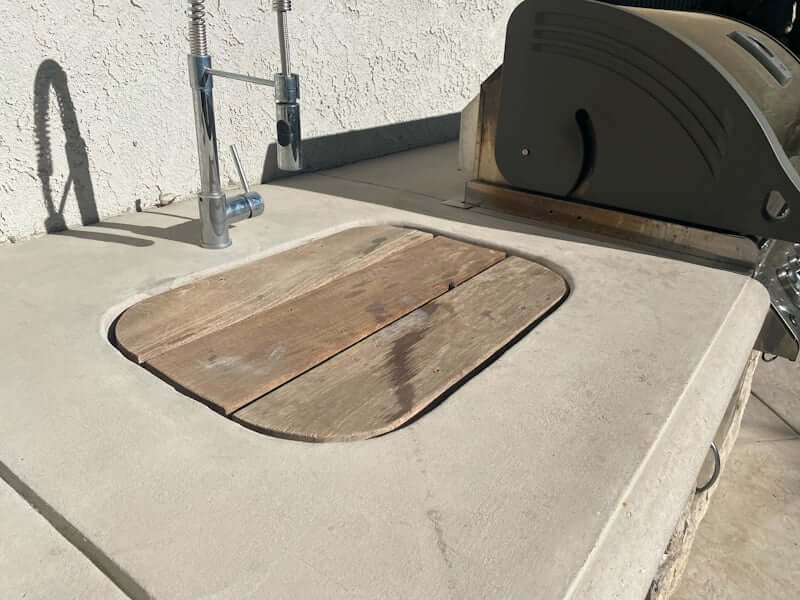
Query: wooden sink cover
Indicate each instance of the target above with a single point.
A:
(343, 338)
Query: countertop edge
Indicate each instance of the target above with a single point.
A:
(672, 463)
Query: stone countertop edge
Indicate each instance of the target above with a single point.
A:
(563, 480)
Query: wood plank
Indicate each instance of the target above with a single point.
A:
(174, 318)
(234, 366)
(382, 382)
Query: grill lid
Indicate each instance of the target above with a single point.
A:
(683, 116)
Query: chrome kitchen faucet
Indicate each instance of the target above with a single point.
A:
(217, 212)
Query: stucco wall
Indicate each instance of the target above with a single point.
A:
(107, 79)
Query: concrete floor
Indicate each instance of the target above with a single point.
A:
(748, 546)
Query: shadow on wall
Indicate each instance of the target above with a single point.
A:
(49, 76)
(51, 80)
(346, 147)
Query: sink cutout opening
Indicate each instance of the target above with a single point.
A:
(344, 338)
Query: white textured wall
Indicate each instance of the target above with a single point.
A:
(362, 63)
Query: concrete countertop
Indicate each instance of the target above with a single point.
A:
(37, 563)
(558, 472)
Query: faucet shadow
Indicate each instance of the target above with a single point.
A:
(51, 81)
(50, 76)
(187, 230)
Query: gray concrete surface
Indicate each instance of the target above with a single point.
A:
(37, 563)
(558, 472)
(748, 546)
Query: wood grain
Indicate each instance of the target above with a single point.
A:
(382, 382)
(234, 366)
(174, 318)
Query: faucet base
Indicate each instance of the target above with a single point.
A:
(221, 247)
(213, 221)
(218, 213)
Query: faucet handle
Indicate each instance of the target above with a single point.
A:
(240, 169)
(246, 205)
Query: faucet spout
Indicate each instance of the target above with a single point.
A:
(287, 121)
(287, 93)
